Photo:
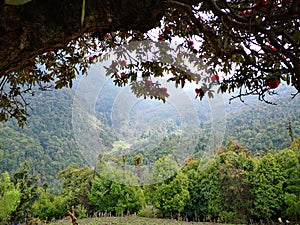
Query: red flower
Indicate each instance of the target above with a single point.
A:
(215, 77)
(167, 29)
(199, 91)
(123, 75)
(272, 47)
(107, 35)
(122, 63)
(161, 38)
(91, 58)
(245, 12)
(273, 83)
(265, 2)
(190, 43)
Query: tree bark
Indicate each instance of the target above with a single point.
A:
(42, 25)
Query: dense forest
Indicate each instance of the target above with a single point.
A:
(235, 187)
(49, 137)
(261, 126)
(255, 177)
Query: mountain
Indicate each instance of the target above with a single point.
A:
(47, 143)
(261, 126)
(125, 125)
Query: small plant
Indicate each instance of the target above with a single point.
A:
(81, 212)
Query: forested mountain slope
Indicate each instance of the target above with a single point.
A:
(261, 126)
(48, 142)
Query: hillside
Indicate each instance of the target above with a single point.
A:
(153, 129)
(47, 142)
(261, 126)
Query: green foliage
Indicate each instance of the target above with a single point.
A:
(28, 187)
(9, 197)
(170, 197)
(289, 163)
(267, 188)
(234, 169)
(48, 206)
(275, 185)
(150, 212)
(296, 143)
(260, 127)
(80, 211)
(48, 140)
(116, 198)
(196, 207)
(76, 185)
(163, 169)
(253, 71)
(235, 187)
(116, 191)
(293, 205)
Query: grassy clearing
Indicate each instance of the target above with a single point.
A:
(119, 145)
(127, 221)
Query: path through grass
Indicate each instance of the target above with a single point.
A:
(127, 221)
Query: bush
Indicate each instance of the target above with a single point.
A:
(150, 212)
(296, 144)
(49, 206)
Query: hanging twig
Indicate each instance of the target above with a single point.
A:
(82, 12)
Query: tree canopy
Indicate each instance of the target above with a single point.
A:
(246, 45)
(237, 187)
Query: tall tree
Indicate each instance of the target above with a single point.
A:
(114, 193)
(289, 164)
(76, 184)
(49, 206)
(267, 188)
(170, 197)
(28, 186)
(9, 197)
(44, 43)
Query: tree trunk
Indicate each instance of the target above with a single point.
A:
(41, 25)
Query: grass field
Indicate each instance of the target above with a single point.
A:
(127, 221)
